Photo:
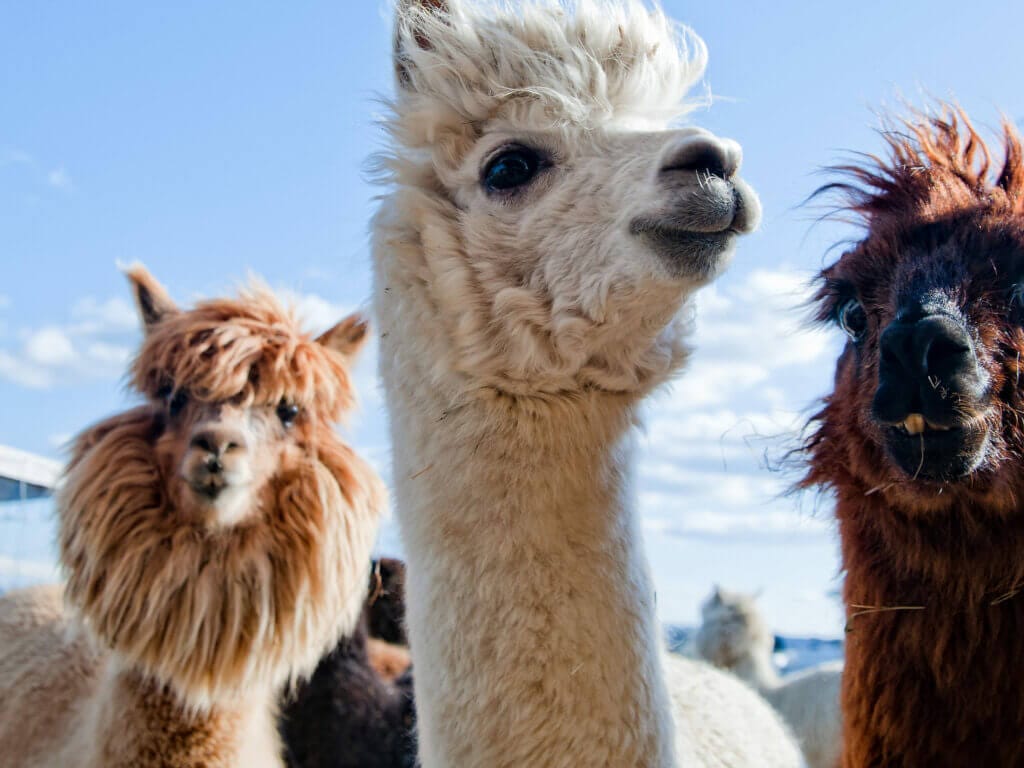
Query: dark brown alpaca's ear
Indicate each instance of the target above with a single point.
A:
(347, 337)
(152, 301)
(405, 27)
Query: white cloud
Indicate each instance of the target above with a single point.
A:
(95, 341)
(114, 315)
(711, 439)
(50, 346)
(58, 178)
(23, 373)
(11, 156)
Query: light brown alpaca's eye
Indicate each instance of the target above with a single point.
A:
(852, 319)
(176, 402)
(287, 412)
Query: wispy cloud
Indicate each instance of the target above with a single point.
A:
(58, 178)
(756, 367)
(94, 341)
(39, 172)
(9, 156)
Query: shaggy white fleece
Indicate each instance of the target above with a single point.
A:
(734, 636)
(521, 327)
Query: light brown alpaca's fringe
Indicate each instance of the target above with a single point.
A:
(214, 613)
(246, 349)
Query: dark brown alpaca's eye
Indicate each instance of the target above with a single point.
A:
(176, 402)
(287, 412)
(853, 319)
(513, 168)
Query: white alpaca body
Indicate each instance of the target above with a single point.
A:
(735, 637)
(520, 330)
(809, 701)
(723, 721)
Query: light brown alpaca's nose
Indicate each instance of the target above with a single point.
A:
(217, 442)
(704, 154)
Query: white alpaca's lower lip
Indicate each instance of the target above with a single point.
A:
(690, 255)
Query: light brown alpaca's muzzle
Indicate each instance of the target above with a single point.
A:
(218, 465)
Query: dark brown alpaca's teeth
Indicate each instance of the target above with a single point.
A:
(916, 424)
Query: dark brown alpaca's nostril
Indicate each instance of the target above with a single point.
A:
(702, 156)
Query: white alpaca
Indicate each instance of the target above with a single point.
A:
(542, 235)
(734, 636)
(215, 541)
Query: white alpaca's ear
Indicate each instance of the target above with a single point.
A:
(347, 337)
(408, 32)
(152, 301)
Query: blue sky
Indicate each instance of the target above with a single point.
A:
(209, 141)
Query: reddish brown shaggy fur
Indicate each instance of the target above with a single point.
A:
(942, 685)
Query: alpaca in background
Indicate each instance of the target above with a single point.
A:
(356, 710)
(922, 444)
(543, 232)
(734, 636)
(215, 541)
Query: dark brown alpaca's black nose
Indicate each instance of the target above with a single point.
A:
(927, 366)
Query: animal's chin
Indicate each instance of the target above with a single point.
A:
(220, 503)
(699, 256)
(937, 456)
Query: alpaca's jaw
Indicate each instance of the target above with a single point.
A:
(223, 503)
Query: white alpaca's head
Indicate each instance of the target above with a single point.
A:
(732, 629)
(546, 222)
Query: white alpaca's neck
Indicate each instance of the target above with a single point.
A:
(530, 606)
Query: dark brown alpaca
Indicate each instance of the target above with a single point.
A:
(356, 711)
(922, 442)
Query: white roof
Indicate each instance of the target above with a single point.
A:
(26, 467)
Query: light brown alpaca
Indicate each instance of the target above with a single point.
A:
(215, 542)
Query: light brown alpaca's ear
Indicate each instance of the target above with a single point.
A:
(406, 13)
(347, 337)
(152, 301)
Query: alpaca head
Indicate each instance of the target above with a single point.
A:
(732, 629)
(928, 391)
(218, 536)
(385, 610)
(547, 220)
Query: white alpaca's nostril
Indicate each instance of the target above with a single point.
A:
(703, 155)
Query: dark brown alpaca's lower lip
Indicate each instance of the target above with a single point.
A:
(937, 455)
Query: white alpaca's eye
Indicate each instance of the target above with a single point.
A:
(852, 319)
(511, 169)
